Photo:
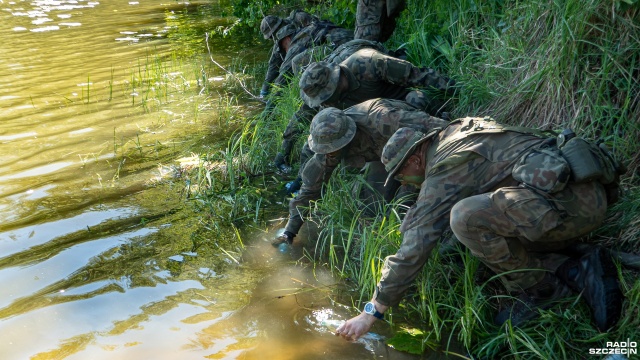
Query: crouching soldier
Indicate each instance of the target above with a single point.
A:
(368, 74)
(515, 198)
(353, 137)
(302, 118)
(281, 31)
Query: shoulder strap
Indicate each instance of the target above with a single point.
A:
(474, 125)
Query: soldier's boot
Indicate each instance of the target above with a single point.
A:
(594, 276)
(541, 296)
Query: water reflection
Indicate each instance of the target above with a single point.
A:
(100, 257)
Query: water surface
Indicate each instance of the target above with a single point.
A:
(98, 255)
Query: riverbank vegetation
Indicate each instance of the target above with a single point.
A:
(545, 64)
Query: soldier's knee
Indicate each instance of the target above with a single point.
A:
(467, 216)
(459, 218)
(417, 99)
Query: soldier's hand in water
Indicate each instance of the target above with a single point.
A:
(283, 237)
(292, 186)
(355, 327)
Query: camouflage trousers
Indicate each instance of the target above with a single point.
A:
(372, 21)
(517, 231)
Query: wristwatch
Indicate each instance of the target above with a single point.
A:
(370, 308)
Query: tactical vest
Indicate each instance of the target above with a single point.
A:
(572, 158)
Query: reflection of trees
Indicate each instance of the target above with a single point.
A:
(141, 261)
(187, 28)
(219, 298)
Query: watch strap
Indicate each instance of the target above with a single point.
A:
(378, 315)
(375, 313)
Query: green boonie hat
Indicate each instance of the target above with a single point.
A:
(330, 130)
(318, 82)
(285, 31)
(400, 146)
(269, 25)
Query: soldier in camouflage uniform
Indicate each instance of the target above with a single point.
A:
(312, 32)
(503, 195)
(376, 19)
(302, 117)
(270, 24)
(316, 34)
(282, 41)
(354, 137)
(270, 28)
(367, 74)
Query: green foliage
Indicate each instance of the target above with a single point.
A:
(340, 12)
(232, 185)
(250, 12)
(538, 63)
(622, 228)
(354, 236)
(408, 340)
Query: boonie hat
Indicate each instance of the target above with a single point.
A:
(330, 130)
(318, 82)
(269, 25)
(400, 146)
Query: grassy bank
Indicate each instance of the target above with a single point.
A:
(544, 64)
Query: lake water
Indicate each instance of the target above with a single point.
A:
(98, 257)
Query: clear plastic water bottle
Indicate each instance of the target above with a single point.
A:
(284, 248)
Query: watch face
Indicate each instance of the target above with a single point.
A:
(369, 308)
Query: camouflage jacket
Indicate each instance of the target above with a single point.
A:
(316, 34)
(376, 121)
(471, 156)
(273, 68)
(374, 74)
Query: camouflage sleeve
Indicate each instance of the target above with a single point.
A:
(286, 72)
(286, 68)
(339, 36)
(315, 173)
(388, 115)
(273, 68)
(403, 73)
(423, 226)
(299, 122)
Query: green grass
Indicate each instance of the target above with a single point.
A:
(545, 64)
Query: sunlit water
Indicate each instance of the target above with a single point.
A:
(97, 257)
